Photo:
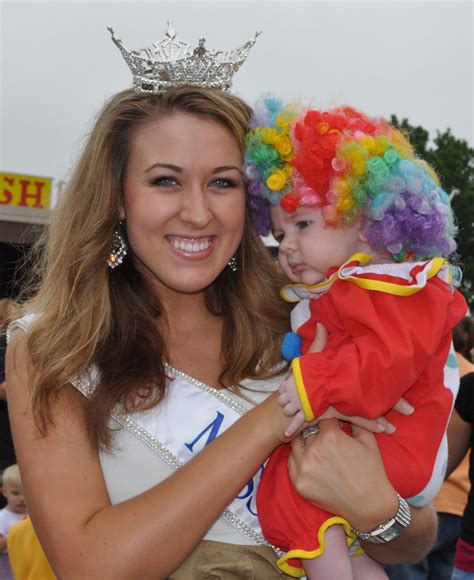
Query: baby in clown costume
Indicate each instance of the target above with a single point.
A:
(364, 230)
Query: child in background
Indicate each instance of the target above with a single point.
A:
(27, 558)
(14, 511)
(364, 230)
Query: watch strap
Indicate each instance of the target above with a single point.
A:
(390, 529)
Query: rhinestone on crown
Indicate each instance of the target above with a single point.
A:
(171, 63)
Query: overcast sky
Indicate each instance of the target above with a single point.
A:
(58, 64)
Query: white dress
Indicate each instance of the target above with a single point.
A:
(148, 446)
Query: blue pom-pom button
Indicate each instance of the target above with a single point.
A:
(291, 346)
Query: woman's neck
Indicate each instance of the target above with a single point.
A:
(193, 337)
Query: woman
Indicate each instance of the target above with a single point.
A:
(164, 173)
(460, 438)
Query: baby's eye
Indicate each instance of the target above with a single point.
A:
(164, 181)
(278, 236)
(303, 224)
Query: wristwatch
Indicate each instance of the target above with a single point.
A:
(391, 529)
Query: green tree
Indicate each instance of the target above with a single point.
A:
(453, 160)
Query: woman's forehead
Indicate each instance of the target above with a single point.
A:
(180, 135)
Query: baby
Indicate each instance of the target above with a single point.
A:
(14, 511)
(364, 230)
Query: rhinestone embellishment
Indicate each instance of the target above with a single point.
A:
(173, 63)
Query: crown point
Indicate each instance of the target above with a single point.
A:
(170, 31)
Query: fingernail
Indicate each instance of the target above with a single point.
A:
(408, 408)
(380, 426)
(390, 428)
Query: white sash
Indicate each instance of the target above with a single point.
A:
(190, 417)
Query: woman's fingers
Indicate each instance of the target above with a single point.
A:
(338, 472)
(380, 425)
(403, 407)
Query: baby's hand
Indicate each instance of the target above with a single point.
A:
(320, 339)
(291, 404)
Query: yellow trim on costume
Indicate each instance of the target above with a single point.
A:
(282, 563)
(360, 257)
(396, 289)
(320, 286)
(435, 265)
(305, 404)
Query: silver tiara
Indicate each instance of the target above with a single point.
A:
(171, 63)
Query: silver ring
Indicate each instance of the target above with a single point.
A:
(308, 432)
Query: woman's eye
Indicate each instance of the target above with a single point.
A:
(164, 181)
(303, 224)
(224, 183)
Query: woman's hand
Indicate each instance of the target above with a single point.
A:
(379, 425)
(343, 475)
(275, 419)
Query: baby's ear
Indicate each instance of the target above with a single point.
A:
(362, 237)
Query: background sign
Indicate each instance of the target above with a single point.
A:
(29, 191)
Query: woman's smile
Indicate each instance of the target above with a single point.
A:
(191, 247)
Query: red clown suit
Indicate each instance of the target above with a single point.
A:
(389, 335)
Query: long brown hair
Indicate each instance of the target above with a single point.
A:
(89, 315)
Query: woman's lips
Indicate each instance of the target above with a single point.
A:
(194, 247)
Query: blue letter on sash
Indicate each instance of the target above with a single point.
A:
(213, 427)
(249, 493)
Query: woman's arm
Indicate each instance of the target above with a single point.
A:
(149, 536)
(459, 439)
(345, 475)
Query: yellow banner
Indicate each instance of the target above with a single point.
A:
(25, 190)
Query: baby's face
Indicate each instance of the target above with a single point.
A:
(13, 493)
(308, 249)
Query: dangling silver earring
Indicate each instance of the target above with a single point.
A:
(118, 250)
(232, 263)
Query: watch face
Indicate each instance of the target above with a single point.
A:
(391, 534)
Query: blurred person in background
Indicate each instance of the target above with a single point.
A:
(27, 559)
(8, 312)
(452, 498)
(13, 512)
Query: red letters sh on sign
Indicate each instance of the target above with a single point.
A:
(25, 190)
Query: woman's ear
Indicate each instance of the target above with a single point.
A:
(121, 213)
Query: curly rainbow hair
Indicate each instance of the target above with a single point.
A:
(356, 169)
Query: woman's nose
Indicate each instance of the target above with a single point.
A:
(195, 209)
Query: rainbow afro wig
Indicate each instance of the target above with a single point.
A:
(357, 170)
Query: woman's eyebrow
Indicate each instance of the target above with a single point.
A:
(165, 166)
(226, 168)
